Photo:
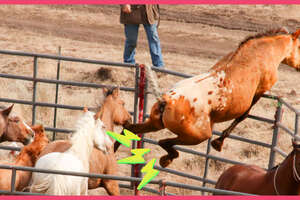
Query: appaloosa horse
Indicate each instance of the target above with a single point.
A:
(112, 112)
(228, 91)
(284, 179)
(13, 128)
(27, 158)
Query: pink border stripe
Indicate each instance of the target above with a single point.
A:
(249, 2)
(150, 197)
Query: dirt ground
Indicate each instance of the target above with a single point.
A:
(193, 39)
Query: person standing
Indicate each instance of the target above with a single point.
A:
(134, 15)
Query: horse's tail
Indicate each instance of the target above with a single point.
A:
(41, 183)
(151, 77)
(55, 184)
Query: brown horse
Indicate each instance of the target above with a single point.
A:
(27, 157)
(112, 112)
(228, 91)
(283, 179)
(13, 128)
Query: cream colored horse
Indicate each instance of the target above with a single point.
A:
(89, 132)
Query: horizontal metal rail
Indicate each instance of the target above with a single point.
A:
(65, 58)
(120, 178)
(280, 125)
(72, 83)
(289, 106)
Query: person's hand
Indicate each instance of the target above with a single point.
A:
(126, 8)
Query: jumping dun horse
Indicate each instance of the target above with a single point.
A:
(284, 179)
(228, 91)
(112, 112)
(27, 158)
(13, 128)
(89, 132)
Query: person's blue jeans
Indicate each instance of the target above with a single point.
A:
(131, 33)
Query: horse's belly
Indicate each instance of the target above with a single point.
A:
(234, 108)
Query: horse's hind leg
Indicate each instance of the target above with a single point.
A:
(111, 186)
(218, 143)
(167, 144)
(185, 139)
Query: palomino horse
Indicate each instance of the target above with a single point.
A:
(283, 179)
(89, 132)
(112, 112)
(228, 91)
(13, 128)
(27, 157)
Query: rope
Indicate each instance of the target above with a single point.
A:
(151, 77)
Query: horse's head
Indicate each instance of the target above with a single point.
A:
(293, 59)
(14, 128)
(102, 141)
(112, 101)
(4, 119)
(40, 141)
(97, 130)
(40, 137)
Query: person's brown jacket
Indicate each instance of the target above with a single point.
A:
(140, 14)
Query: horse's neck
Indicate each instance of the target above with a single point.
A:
(26, 158)
(285, 182)
(269, 51)
(82, 146)
(107, 118)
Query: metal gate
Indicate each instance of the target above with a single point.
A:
(140, 97)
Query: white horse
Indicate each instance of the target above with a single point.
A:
(89, 132)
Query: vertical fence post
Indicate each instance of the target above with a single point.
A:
(206, 164)
(278, 116)
(135, 110)
(162, 187)
(296, 124)
(142, 82)
(34, 89)
(56, 93)
(13, 180)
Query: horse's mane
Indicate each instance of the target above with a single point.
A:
(268, 33)
(109, 91)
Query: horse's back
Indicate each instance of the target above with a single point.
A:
(56, 184)
(242, 178)
(56, 146)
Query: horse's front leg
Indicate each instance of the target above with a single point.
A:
(153, 123)
(218, 143)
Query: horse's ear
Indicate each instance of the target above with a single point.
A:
(104, 90)
(296, 34)
(7, 111)
(85, 109)
(296, 143)
(284, 29)
(37, 128)
(115, 92)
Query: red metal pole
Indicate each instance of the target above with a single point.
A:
(142, 83)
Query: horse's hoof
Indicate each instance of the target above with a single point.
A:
(164, 161)
(217, 144)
